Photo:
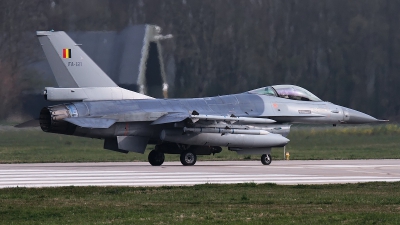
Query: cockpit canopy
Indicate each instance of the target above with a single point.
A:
(287, 91)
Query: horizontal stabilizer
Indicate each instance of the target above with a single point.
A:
(29, 123)
(91, 122)
(171, 118)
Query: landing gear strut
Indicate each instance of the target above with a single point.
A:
(188, 153)
(266, 159)
(156, 158)
(188, 158)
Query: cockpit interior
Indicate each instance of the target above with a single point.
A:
(287, 91)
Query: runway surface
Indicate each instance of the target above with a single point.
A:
(173, 173)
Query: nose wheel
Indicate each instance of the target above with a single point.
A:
(266, 159)
(156, 158)
(188, 158)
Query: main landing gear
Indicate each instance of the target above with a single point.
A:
(156, 158)
(188, 158)
(188, 154)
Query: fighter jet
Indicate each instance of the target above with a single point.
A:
(248, 123)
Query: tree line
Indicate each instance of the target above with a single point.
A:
(346, 52)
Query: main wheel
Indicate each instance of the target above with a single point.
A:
(156, 158)
(266, 159)
(188, 158)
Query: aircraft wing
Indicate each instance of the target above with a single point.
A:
(178, 117)
(171, 118)
(231, 119)
(195, 116)
(174, 117)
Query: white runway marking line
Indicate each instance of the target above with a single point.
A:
(89, 171)
(146, 175)
(176, 179)
(383, 173)
(89, 177)
(304, 172)
(268, 167)
(315, 166)
(196, 182)
(46, 178)
(354, 166)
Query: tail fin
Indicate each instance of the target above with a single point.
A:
(71, 66)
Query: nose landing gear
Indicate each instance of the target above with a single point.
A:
(266, 159)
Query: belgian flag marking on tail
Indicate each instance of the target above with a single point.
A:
(66, 53)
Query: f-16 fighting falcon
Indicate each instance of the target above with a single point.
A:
(247, 123)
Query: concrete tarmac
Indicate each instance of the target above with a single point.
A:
(173, 173)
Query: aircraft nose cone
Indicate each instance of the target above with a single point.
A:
(356, 117)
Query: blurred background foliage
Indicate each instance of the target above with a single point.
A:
(346, 52)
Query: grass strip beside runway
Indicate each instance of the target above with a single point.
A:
(344, 142)
(366, 203)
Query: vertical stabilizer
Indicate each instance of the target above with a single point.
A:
(71, 66)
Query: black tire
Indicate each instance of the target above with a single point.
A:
(266, 159)
(188, 158)
(156, 158)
